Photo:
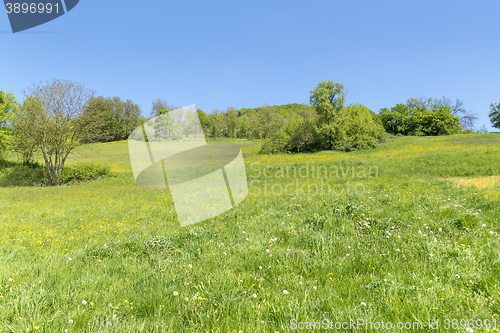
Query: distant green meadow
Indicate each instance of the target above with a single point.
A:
(327, 240)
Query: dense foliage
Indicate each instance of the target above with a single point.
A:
(421, 117)
(495, 115)
(33, 174)
(8, 105)
(352, 128)
(257, 123)
(115, 118)
(336, 127)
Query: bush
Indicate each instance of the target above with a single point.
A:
(5, 164)
(439, 121)
(33, 174)
(420, 118)
(84, 172)
(297, 136)
(353, 128)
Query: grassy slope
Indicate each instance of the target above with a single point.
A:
(330, 251)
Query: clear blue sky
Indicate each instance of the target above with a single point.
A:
(246, 53)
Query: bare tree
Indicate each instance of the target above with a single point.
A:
(55, 118)
(159, 105)
(467, 119)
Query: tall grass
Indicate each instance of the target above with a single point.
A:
(403, 246)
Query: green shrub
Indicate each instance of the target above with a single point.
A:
(420, 118)
(297, 136)
(84, 172)
(353, 128)
(33, 174)
(5, 164)
(4, 138)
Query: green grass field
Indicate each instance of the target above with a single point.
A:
(397, 239)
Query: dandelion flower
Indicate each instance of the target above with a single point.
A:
(110, 305)
(457, 276)
(260, 267)
(431, 255)
(70, 321)
(70, 259)
(315, 287)
(484, 225)
(363, 303)
(267, 250)
(190, 266)
(10, 279)
(285, 292)
(187, 299)
(84, 302)
(254, 296)
(491, 232)
(176, 293)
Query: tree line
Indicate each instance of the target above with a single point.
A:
(57, 116)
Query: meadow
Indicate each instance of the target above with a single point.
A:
(406, 233)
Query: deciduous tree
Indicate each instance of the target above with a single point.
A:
(495, 115)
(55, 118)
(8, 105)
